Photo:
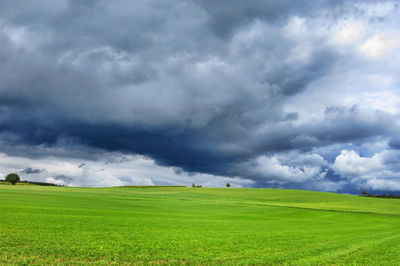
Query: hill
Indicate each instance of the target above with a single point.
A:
(125, 225)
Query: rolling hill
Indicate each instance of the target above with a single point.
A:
(174, 225)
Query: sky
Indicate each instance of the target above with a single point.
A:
(288, 94)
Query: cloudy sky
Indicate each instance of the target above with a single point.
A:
(293, 94)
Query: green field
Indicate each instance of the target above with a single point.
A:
(130, 225)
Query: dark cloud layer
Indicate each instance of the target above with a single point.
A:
(30, 170)
(203, 86)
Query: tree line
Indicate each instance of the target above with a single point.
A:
(14, 178)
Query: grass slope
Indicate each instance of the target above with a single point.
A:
(176, 225)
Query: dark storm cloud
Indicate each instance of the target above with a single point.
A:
(30, 170)
(290, 81)
(226, 16)
(395, 143)
(63, 178)
(181, 82)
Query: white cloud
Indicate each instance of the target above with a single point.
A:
(112, 170)
(350, 164)
(55, 181)
(380, 44)
(349, 32)
(326, 185)
(368, 172)
(284, 170)
(381, 184)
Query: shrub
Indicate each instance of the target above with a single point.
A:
(13, 178)
(228, 185)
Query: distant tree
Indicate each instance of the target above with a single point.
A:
(228, 185)
(13, 178)
(364, 193)
(193, 185)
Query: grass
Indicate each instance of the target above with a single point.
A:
(174, 225)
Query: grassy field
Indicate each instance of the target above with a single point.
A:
(129, 225)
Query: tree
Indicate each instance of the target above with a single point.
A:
(228, 185)
(364, 193)
(13, 178)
